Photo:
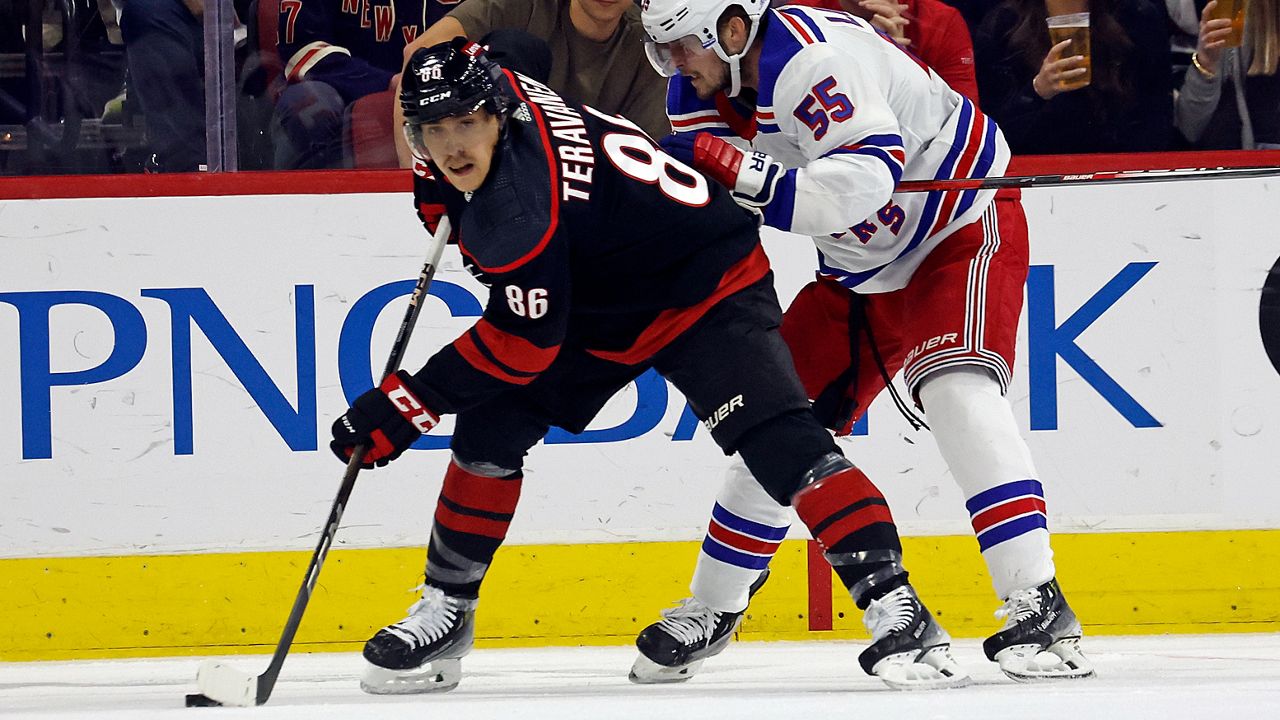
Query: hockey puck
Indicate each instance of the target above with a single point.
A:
(198, 700)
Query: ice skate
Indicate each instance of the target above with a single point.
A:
(1040, 639)
(423, 652)
(909, 649)
(672, 649)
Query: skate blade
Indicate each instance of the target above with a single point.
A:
(1031, 663)
(647, 672)
(436, 676)
(934, 669)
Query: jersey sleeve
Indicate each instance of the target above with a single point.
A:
(311, 51)
(521, 252)
(691, 114)
(849, 137)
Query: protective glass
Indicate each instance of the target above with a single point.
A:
(666, 57)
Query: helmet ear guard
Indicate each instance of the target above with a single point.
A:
(451, 79)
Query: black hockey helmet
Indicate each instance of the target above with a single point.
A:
(453, 78)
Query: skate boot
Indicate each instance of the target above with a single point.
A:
(672, 649)
(1040, 639)
(909, 649)
(423, 652)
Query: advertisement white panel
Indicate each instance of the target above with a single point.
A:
(171, 367)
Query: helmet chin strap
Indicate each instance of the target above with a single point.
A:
(735, 60)
(735, 76)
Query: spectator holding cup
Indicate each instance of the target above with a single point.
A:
(1230, 98)
(1076, 76)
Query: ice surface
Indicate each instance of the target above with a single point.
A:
(1165, 677)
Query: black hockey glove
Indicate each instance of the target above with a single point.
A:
(429, 196)
(387, 420)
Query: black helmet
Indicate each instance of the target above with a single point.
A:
(453, 78)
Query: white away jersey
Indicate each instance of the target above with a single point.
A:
(849, 113)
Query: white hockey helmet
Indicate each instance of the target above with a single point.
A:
(692, 24)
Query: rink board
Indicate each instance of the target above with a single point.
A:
(1119, 583)
(174, 361)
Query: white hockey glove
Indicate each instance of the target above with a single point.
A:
(751, 176)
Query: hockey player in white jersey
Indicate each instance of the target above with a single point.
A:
(812, 118)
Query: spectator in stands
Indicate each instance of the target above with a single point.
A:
(973, 11)
(1184, 27)
(164, 44)
(596, 48)
(932, 30)
(1127, 107)
(335, 53)
(1214, 109)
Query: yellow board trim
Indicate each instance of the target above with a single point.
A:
(134, 606)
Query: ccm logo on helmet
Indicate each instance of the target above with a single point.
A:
(435, 98)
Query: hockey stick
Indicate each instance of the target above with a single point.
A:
(221, 684)
(1108, 177)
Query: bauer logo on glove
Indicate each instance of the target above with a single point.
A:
(387, 420)
(750, 175)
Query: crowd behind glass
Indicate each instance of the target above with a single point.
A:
(119, 86)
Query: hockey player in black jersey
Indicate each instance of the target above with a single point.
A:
(604, 257)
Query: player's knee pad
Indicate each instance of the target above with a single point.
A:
(954, 385)
(780, 450)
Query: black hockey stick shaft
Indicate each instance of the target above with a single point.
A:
(267, 680)
(1109, 177)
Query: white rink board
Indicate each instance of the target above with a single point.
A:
(1182, 341)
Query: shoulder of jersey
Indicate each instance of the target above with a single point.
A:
(511, 219)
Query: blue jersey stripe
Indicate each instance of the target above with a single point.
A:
(1001, 493)
(895, 167)
(808, 22)
(1012, 529)
(740, 524)
(957, 146)
(884, 141)
(985, 160)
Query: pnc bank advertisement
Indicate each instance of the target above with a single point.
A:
(167, 357)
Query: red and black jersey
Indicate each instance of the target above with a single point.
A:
(590, 237)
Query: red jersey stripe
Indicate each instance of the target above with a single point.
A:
(466, 347)
(671, 323)
(797, 28)
(699, 119)
(514, 351)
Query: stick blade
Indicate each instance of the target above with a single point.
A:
(227, 685)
